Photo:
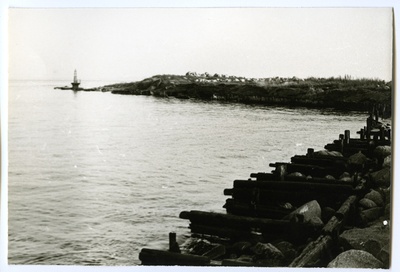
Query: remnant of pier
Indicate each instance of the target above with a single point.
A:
(323, 209)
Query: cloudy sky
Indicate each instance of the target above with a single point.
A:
(131, 44)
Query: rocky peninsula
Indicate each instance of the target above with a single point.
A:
(341, 93)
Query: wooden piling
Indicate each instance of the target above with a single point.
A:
(159, 257)
(347, 137)
(257, 210)
(173, 245)
(362, 134)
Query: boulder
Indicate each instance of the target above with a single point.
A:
(295, 174)
(308, 211)
(376, 197)
(199, 246)
(387, 162)
(373, 239)
(381, 152)
(358, 159)
(381, 178)
(373, 246)
(346, 177)
(240, 248)
(316, 222)
(370, 215)
(355, 259)
(267, 255)
(384, 255)
(367, 203)
(330, 177)
(288, 250)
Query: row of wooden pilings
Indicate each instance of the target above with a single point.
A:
(290, 217)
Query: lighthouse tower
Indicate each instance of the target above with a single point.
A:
(76, 82)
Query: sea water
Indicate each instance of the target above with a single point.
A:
(94, 177)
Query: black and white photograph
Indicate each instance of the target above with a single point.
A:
(229, 136)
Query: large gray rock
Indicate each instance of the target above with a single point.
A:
(384, 255)
(370, 215)
(346, 177)
(367, 203)
(381, 152)
(308, 211)
(295, 174)
(357, 159)
(288, 250)
(373, 239)
(240, 248)
(387, 162)
(381, 178)
(355, 259)
(376, 197)
(267, 255)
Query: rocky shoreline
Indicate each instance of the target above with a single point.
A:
(337, 93)
(328, 208)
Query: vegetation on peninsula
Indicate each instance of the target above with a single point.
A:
(343, 93)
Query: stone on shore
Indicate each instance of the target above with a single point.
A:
(367, 203)
(355, 259)
(381, 152)
(376, 197)
(381, 178)
(384, 255)
(295, 174)
(387, 162)
(267, 254)
(308, 212)
(370, 215)
(288, 250)
(357, 159)
(374, 239)
(346, 177)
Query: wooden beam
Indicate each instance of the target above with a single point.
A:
(159, 257)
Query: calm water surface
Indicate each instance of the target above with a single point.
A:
(95, 177)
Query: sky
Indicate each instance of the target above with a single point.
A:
(128, 44)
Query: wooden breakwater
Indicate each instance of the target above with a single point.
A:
(305, 213)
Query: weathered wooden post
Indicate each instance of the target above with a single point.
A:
(362, 134)
(382, 133)
(376, 114)
(281, 170)
(369, 127)
(341, 139)
(347, 136)
(173, 245)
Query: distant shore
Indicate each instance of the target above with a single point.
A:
(342, 93)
